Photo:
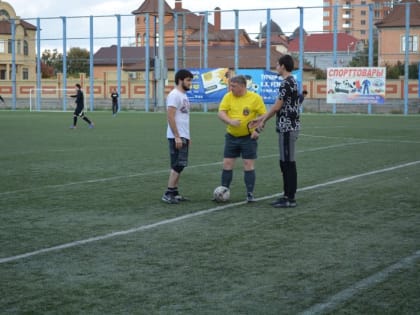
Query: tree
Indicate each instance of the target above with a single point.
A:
(362, 57)
(77, 61)
(52, 59)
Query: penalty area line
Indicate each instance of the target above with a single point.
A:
(190, 215)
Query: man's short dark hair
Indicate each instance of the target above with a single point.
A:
(304, 92)
(240, 79)
(78, 86)
(182, 74)
(287, 61)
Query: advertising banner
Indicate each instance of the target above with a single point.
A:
(209, 85)
(362, 85)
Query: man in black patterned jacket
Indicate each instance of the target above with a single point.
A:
(286, 110)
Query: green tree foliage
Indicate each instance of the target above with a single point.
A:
(51, 63)
(77, 61)
(362, 57)
(396, 71)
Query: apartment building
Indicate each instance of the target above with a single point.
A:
(353, 16)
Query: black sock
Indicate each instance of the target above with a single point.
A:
(170, 191)
(227, 176)
(87, 120)
(74, 121)
(249, 178)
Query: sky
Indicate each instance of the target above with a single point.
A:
(252, 14)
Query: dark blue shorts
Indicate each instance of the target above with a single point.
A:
(240, 146)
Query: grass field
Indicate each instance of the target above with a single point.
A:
(83, 229)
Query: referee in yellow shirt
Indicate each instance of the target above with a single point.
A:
(237, 109)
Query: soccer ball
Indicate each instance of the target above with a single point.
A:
(221, 194)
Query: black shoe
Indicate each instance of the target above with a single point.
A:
(250, 198)
(169, 199)
(181, 198)
(284, 203)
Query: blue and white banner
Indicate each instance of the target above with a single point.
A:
(211, 84)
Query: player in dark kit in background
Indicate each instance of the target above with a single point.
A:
(80, 104)
(114, 97)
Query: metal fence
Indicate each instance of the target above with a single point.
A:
(138, 87)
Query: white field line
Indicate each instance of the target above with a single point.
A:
(108, 179)
(360, 139)
(333, 301)
(191, 215)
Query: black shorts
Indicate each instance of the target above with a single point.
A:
(79, 111)
(240, 146)
(179, 157)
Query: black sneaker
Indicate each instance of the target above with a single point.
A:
(278, 200)
(250, 198)
(284, 203)
(169, 199)
(181, 198)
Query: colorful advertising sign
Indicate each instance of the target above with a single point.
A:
(209, 85)
(364, 85)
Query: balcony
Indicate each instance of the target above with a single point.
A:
(346, 25)
(347, 16)
(347, 6)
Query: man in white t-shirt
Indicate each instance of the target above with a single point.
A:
(178, 133)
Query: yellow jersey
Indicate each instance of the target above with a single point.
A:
(243, 108)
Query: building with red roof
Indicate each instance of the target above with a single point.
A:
(318, 49)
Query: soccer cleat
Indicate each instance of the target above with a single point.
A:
(72, 127)
(91, 125)
(181, 198)
(250, 198)
(284, 203)
(169, 199)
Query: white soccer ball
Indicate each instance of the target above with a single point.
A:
(221, 194)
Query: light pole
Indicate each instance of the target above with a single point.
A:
(348, 48)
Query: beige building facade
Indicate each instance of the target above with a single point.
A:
(25, 52)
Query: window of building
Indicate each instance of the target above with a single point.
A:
(2, 46)
(326, 13)
(326, 23)
(25, 74)
(5, 14)
(362, 32)
(363, 13)
(19, 47)
(25, 48)
(9, 46)
(363, 2)
(413, 43)
(363, 22)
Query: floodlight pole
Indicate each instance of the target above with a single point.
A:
(161, 73)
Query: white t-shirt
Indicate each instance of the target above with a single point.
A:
(182, 115)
